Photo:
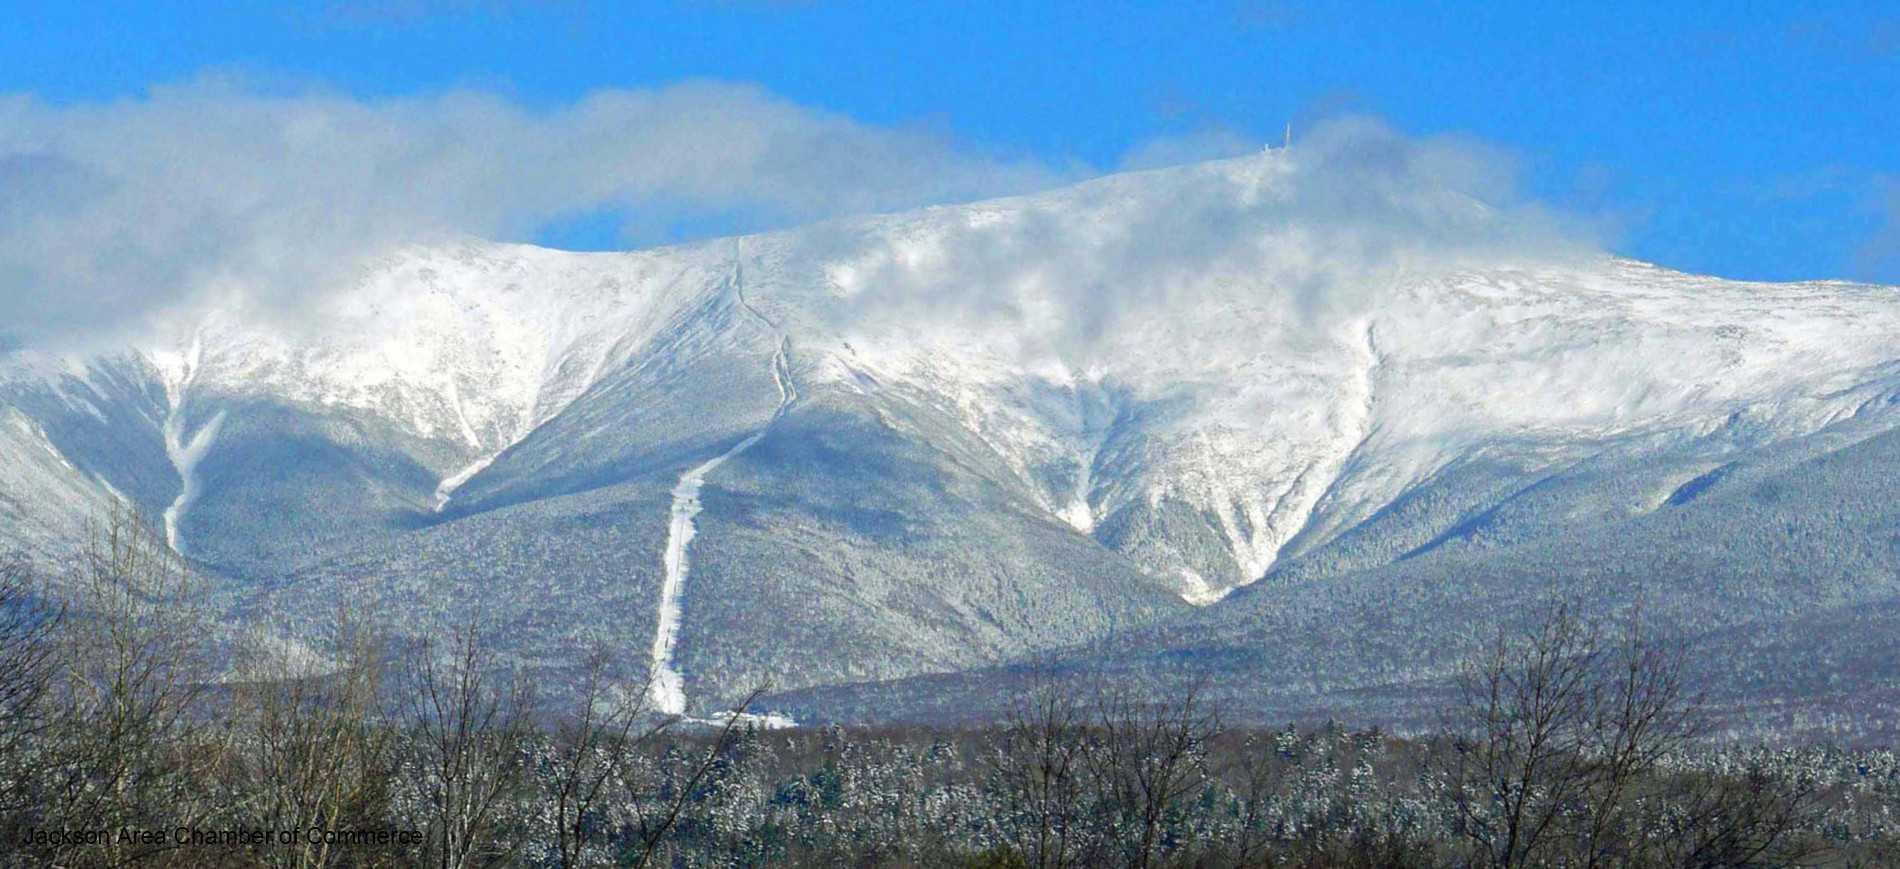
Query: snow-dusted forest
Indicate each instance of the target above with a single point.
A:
(132, 736)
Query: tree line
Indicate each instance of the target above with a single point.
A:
(1566, 742)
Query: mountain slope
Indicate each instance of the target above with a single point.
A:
(1782, 575)
(1200, 412)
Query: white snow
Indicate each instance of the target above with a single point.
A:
(1196, 590)
(667, 686)
(44, 500)
(184, 449)
(185, 452)
(1196, 336)
(761, 720)
(1078, 514)
(669, 693)
(445, 491)
(1267, 402)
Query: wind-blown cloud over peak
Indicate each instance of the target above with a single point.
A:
(1314, 233)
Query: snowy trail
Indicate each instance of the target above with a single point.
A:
(445, 491)
(185, 453)
(667, 688)
(182, 449)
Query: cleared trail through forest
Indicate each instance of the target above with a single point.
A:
(667, 688)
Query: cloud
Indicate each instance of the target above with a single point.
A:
(1209, 143)
(114, 213)
(110, 212)
(1316, 233)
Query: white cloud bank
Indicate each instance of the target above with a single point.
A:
(110, 212)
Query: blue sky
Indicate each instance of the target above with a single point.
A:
(1753, 140)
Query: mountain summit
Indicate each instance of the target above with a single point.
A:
(1289, 424)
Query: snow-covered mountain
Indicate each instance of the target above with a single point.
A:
(956, 438)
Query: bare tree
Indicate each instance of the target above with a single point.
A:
(1560, 740)
(135, 667)
(29, 625)
(1147, 759)
(656, 822)
(1705, 820)
(1255, 772)
(471, 735)
(1643, 716)
(591, 747)
(314, 752)
(1039, 771)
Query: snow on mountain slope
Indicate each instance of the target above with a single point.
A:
(44, 498)
(473, 344)
(1193, 375)
(1269, 390)
(1775, 561)
(1221, 396)
(666, 684)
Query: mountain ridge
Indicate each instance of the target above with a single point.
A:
(1024, 425)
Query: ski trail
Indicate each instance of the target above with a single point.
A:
(445, 490)
(184, 450)
(666, 687)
